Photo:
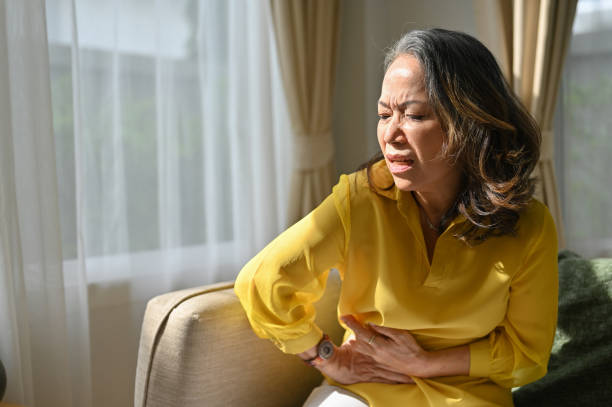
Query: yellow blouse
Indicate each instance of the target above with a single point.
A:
(500, 297)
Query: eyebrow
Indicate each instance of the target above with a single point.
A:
(401, 105)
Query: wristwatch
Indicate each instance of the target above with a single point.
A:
(325, 350)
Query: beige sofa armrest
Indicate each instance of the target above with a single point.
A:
(197, 349)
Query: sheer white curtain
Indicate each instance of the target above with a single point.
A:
(171, 134)
(44, 340)
(171, 170)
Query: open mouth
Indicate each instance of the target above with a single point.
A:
(398, 164)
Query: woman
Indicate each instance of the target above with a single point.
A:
(448, 265)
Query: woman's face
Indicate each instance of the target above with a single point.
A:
(409, 133)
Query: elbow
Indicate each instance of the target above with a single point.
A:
(247, 288)
(521, 375)
(250, 278)
(515, 363)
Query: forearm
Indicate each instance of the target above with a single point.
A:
(447, 362)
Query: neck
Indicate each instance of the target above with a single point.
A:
(435, 204)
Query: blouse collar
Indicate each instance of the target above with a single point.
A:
(382, 178)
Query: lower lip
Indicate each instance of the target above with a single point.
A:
(397, 167)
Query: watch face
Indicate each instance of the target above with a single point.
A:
(326, 349)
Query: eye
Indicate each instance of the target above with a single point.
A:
(383, 116)
(416, 117)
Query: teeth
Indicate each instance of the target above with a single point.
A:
(402, 160)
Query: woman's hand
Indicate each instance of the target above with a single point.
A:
(397, 351)
(392, 349)
(347, 366)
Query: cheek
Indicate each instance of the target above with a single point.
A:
(380, 132)
(428, 141)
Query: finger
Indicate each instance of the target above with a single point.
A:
(362, 347)
(375, 350)
(386, 331)
(360, 331)
(392, 377)
(380, 380)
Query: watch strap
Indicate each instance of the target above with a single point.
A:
(317, 359)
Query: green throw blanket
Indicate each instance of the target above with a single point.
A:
(580, 367)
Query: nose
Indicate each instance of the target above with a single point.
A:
(394, 133)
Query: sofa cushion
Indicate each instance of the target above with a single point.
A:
(580, 367)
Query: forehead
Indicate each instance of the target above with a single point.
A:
(404, 77)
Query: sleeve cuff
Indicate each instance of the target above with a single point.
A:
(480, 358)
(301, 344)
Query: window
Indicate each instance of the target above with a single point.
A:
(583, 129)
(171, 135)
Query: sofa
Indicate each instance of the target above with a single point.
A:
(197, 348)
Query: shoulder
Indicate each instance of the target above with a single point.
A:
(360, 184)
(536, 225)
(349, 189)
(535, 216)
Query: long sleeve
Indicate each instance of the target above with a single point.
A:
(279, 286)
(517, 351)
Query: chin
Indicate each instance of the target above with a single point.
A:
(404, 184)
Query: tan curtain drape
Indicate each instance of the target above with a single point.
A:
(306, 37)
(536, 39)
